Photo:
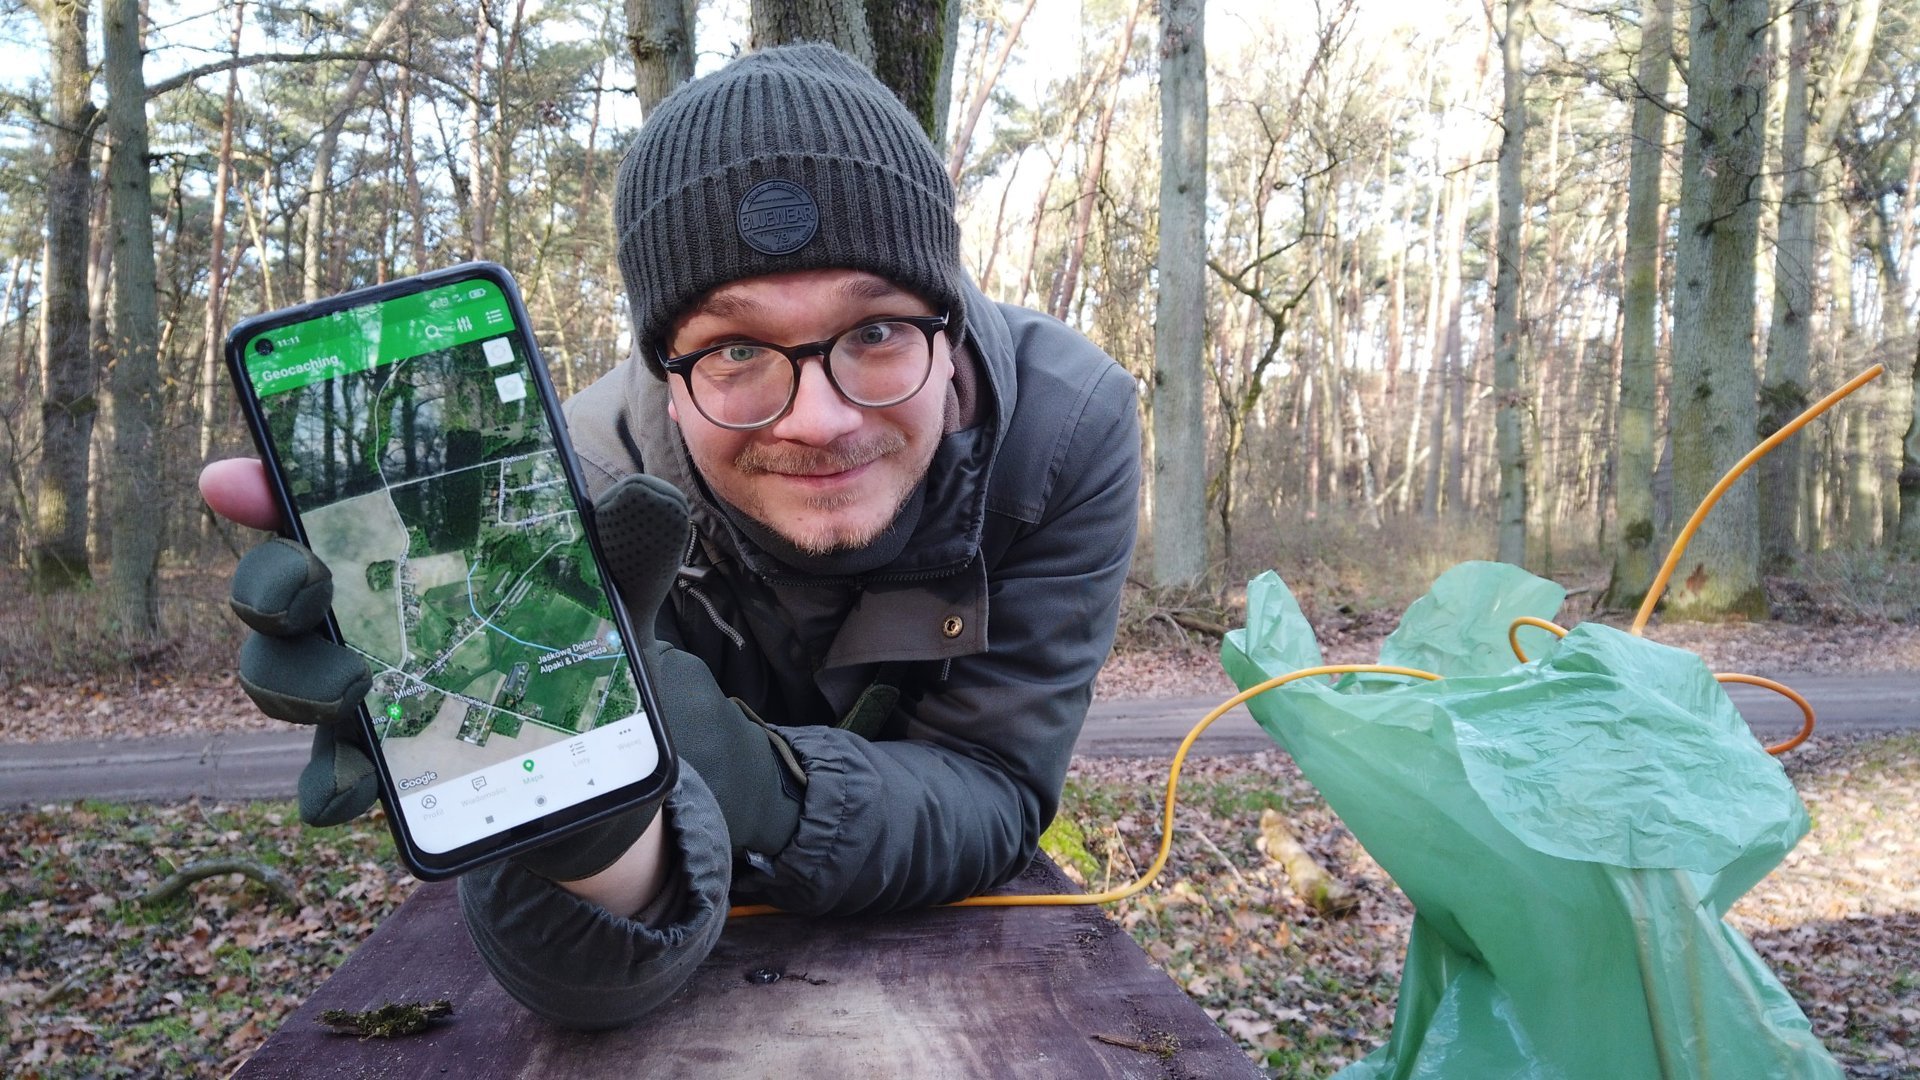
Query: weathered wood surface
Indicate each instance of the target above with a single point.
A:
(957, 992)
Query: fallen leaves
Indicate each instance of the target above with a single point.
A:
(96, 984)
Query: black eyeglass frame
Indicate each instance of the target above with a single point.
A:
(682, 365)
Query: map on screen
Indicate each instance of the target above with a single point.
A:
(428, 480)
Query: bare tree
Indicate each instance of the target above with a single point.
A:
(1513, 400)
(215, 323)
(1814, 107)
(320, 183)
(68, 406)
(963, 136)
(1068, 280)
(1633, 566)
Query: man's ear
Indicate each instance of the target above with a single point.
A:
(673, 408)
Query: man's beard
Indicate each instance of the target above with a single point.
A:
(824, 461)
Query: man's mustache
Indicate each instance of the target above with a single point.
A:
(819, 461)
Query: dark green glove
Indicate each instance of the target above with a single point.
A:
(642, 522)
(282, 591)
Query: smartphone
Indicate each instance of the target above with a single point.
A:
(415, 443)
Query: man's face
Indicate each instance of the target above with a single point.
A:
(829, 475)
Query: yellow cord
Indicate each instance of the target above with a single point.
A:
(1513, 632)
(1166, 813)
(1806, 710)
(1680, 542)
(1639, 624)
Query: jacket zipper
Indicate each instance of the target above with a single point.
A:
(687, 573)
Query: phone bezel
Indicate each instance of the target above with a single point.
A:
(425, 865)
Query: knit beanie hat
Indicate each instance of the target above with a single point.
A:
(793, 158)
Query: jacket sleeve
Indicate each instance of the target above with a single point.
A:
(580, 966)
(958, 806)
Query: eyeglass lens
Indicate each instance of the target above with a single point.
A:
(876, 364)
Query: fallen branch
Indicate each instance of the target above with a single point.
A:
(390, 1021)
(1323, 892)
(1163, 1045)
(276, 883)
(1199, 625)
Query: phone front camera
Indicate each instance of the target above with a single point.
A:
(263, 346)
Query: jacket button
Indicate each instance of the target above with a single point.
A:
(952, 626)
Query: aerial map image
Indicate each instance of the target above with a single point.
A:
(431, 488)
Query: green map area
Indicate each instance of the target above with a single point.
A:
(433, 492)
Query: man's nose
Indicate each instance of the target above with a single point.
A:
(819, 414)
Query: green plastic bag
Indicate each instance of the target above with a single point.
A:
(1570, 832)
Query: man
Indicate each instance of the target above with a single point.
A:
(912, 513)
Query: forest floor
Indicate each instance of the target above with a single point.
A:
(94, 981)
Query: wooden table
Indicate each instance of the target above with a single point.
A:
(956, 992)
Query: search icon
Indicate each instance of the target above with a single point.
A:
(432, 331)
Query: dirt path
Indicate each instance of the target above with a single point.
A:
(255, 765)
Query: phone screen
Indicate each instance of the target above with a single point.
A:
(414, 446)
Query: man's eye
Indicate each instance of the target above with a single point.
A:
(875, 334)
(742, 354)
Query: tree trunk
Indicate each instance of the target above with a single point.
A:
(913, 43)
(660, 38)
(1512, 397)
(1910, 469)
(495, 201)
(217, 251)
(136, 377)
(416, 197)
(1633, 558)
(1179, 423)
(840, 23)
(58, 559)
(1806, 146)
(1452, 343)
(468, 190)
(1714, 411)
(1862, 457)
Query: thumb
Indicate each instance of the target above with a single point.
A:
(643, 527)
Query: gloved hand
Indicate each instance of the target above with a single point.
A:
(642, 521)
(282, 591)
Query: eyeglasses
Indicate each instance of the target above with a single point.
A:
(745, 385)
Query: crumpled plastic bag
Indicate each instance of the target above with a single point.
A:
(1570, 831)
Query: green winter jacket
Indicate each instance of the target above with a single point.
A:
(933, 702)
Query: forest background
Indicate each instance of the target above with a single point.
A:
(1400, 282)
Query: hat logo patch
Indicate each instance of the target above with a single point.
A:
(778, 218)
